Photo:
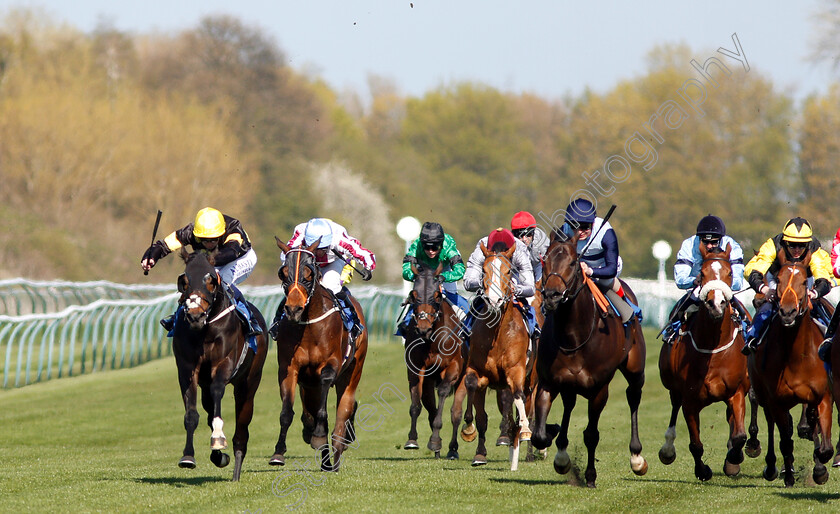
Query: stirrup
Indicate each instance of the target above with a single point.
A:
(824, 350)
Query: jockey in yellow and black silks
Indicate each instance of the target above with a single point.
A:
(797, 240)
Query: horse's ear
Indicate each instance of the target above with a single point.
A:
(182, 283)
(184, 254)
(414, 270)
(806, 257)
(281, 245)
(728, 250)
(211, 280)
(439, 268)
(509, 252)
(781, 255)
(484, 249)
(703, 251)
(313, 246)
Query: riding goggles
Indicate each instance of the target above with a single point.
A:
(523, 232)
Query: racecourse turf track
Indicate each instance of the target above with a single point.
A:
(111, 441)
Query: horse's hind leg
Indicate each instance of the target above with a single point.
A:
(804, 429)
(504, 400)
(735, 413)
(243, 393)
(479, 397)
(429, 401)
(771, 472)
(822, 440)
(456, 413)
(319, 436)
(668, 452)
(344, 434)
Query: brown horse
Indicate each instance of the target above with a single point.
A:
(705, 365)
(211, 351)
(314, 351)
(435, 358)
(579, 352)
(498, 356)
(785, 371)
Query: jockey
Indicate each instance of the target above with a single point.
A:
(711, 233)
(522, 276)
(234, 260)
(524, 227)
(601, 260)
(332, 239)
(797, 240)
(825, 347)
(433, 247)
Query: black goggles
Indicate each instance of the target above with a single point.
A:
(522, 232)
(713, 242)
(432, 246)
(797, 245)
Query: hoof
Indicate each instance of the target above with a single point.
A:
(479, 460)
(277, 460)
(638, 464)
(469, 433)
(434, 444)
(187, 461)
(318, 442)
(503, 440)
(753, 448)
(524, 436)
(770, 474)
(452, 455)
(667, 457)
(219, 459)
(730, 469)
(562, 463)
(218, 443)
(805, 432)
(704, 473)
(820, 475)
(836, 463)
(411, 444)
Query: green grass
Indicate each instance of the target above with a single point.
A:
(110, 441)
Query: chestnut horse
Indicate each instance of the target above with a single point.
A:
(579, 352)
(785, 370)
(435, 358)
(211, 351)
(705, 365)
(314, 352)
(498, 356)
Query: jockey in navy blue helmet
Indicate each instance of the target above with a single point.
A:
(601, 261)
(710, 233)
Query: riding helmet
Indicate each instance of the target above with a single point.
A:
(431, 233)
(318, 228)
(711, 227)
(501, 235)
(580, 210)
(797, 230)
(209, 224)
(522, 219)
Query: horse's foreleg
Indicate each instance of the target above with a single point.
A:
(443, 389)
(542, 435)
(504, 401)
(468, 432)
(735, 412)
(288, 382)
(456, 413)
(591, 435)
(805, 429)
(319, 435)
(771, 472)
(414, 384)
(691, 412)
(668, 452)
(189, 390)
(243, 393)
(343, 434)
(784, 422)
(635, 381)
(753, 448)
(213, 405)
(562, 461)
(822, 442)
(479, 397)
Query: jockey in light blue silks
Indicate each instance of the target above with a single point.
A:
(601, 261)
(711, 233)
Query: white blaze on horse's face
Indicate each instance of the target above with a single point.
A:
(494, 291)
(193, 302)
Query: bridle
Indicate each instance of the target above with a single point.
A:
(293, 281)
(482, 292)
(577, 276)
(802, 304)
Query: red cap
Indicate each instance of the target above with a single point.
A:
(501, 235)
(522, 219)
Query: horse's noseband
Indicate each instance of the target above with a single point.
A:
(296, 281)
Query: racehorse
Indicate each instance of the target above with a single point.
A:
(434, 357)
(211, 351)
(785, 370)
(314, 351)
(498, 355)
(579, 351)
(705, 365)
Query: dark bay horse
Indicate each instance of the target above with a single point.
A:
(498, 355)
(785, 371)
(211, 351)
(314, 352)
(435, 357)
(579, 352)
(705, 365)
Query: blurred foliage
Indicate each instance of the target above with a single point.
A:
(99, 130)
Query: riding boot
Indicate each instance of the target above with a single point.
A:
(825, 347)
(756, 330)
(402, 327)
(624, 310)
(349, 311)
(169, 322)
(274, 330)
(253, 327)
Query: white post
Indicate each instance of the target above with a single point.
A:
(661, 251)
(408, 228)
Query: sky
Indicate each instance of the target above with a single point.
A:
(549, 48)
